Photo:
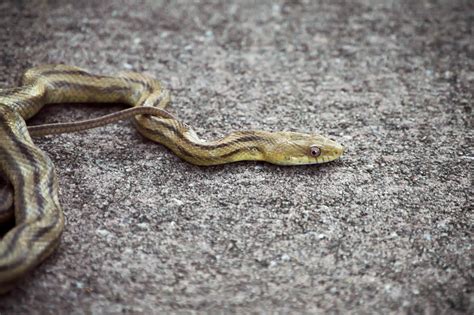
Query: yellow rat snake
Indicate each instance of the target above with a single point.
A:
(28, 183)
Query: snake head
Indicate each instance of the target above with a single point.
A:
(294, 148)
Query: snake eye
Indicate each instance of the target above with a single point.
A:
(315, 151)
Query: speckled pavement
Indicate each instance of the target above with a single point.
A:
(387, 229)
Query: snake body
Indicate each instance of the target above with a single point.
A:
(28, 184)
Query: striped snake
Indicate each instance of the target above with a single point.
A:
(28, 183)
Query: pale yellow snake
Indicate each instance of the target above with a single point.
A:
(28, 184)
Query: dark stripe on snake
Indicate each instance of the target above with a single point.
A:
(18, 230)
(23, 148)
(12, 91)
(172, 128)
(28, 151)
(10, 247)
(143, 83)
(44, 230)
(80, 86)
(11, 162)
(240, 150)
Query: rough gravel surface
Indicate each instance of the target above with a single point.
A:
(388, 228)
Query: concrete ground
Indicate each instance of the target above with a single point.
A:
(388, 228)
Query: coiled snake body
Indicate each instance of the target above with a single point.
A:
(28, 184)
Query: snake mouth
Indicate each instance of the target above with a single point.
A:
(331, 151)
(337, 151)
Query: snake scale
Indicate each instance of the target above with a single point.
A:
(28, 183)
